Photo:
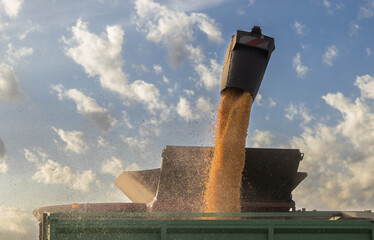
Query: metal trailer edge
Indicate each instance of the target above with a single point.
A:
(204, 226)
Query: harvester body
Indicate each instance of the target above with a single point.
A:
(269, 176)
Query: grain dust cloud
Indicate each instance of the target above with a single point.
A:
(222, 192)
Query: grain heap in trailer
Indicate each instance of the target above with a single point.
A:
(171, 202)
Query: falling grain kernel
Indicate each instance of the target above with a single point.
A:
(222, 192)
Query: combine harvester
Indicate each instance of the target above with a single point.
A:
(167, 202)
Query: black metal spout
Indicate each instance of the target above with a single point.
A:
(247, 57)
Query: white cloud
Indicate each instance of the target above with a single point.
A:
(3, 167)
(188, 92)
(174, 29)
(28, 28)
(126, 119)
(301, 69)
(135, 142)
(186, 111)
(338, 157)
(51, 172)
(272, 103)
(366, 84)
(367, 9)
(291, 111)
(149, 94)
(113, 167)
(14, 55)
(139, 68)
(15, 222)
(300, 111)
(12, 7)
(150, 127)
(299, 28)
(173, 89)
(165, 79)
(35, 156)
(269, 102)
(82, 181)
(240, 12)
(132, 167)
(210, 76)
(326, 3)
(262, 139)
(101, 142)
(353, 28)
(87, 106)
(177, 32)
(251, 2)
(258, 99)
(75, 140)
(157, 69)
(368, 51)
(9, 86)
(3, 164)
(330, 6)
(330, 54)
(204, 104)
(193, 5)
(100, 55)
(354, 114)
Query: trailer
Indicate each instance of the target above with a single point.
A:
(199, 226)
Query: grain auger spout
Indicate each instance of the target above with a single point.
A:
(247, 57)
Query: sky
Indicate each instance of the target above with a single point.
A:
(91, 88)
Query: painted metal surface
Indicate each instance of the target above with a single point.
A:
(162, 226)
(246, 59)
(269, 177)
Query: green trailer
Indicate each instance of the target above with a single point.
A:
(197, 226)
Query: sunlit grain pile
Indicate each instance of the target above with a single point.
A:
(224, 182)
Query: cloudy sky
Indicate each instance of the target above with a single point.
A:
(90, 88)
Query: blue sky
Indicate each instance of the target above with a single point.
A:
(91, 88)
